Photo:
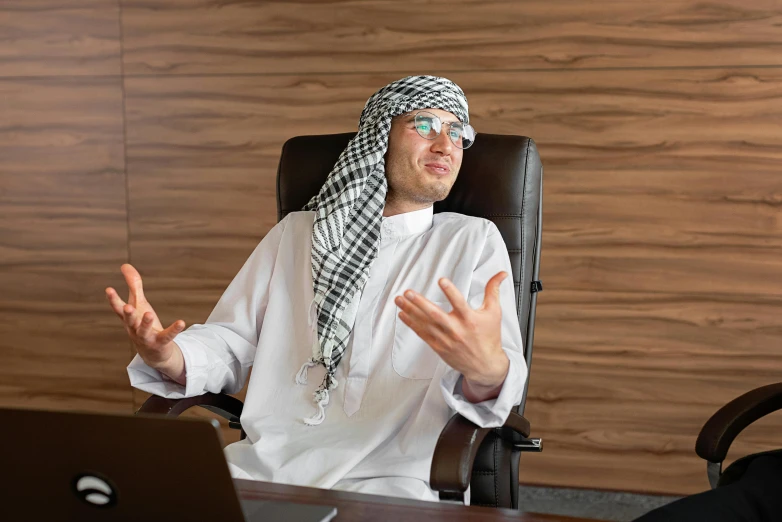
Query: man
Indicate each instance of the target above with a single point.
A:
(366, 273)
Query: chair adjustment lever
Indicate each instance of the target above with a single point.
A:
(537, 286)
(529, 445)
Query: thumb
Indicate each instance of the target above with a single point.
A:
(491, 298)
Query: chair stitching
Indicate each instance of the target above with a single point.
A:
(523, 210)
(496, 474)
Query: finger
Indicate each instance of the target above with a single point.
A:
(491, 297)
(145, 327)
(422, 310)
(133, 279)
(431, 336)
(115, 301)
(132, 318)
(166, 336)
(456, 298)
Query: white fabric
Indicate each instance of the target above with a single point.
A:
(395, 393)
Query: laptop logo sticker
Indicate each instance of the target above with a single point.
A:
(95, 490)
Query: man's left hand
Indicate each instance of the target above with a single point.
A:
(469, 341)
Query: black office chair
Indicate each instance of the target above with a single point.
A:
(724, 426)
(501, 179)
(749, 488)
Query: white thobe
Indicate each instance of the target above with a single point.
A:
(394, 393)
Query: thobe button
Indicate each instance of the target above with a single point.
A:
(388, 229)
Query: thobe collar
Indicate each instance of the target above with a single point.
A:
(407, 224)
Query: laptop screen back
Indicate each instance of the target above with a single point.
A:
(95, 467)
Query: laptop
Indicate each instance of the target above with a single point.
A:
(100, 467)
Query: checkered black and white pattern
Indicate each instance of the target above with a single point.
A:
(349, 207)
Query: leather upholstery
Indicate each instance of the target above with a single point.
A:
(728, 422)
(491, 483)
(500, 180)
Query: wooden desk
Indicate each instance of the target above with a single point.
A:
(357, 507)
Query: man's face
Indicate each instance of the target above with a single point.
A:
(419, 171)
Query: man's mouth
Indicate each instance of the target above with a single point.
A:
(438, 168)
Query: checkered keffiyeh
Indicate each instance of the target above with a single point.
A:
(349, 207)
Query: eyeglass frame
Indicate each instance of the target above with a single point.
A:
(443, 123)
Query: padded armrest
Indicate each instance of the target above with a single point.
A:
(224, 405)
(457, 447)
(719, 431)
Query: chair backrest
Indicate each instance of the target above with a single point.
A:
(501, 179)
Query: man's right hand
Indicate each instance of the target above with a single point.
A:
(155, 345)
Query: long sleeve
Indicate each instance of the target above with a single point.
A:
(219, 353)
(492, 413)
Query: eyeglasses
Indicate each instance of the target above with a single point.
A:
(429, 126)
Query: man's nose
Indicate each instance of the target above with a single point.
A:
(442, 143)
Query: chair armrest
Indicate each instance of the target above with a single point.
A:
(457, 447)
(719, 431)
(227, 407)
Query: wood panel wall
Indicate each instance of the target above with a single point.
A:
(659, 128)
(63, 230)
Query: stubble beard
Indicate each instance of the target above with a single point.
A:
(430, 193)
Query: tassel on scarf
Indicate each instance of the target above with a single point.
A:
(321, 401)
(301, 377)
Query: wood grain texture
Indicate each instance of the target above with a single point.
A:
(359, 507)
(51, 37)
(661, 254)
(63, 236)
(218, 37)
(202, 160)
(661, 263)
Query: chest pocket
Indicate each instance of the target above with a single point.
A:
(411, 356)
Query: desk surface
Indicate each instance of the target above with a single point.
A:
(355, 507)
